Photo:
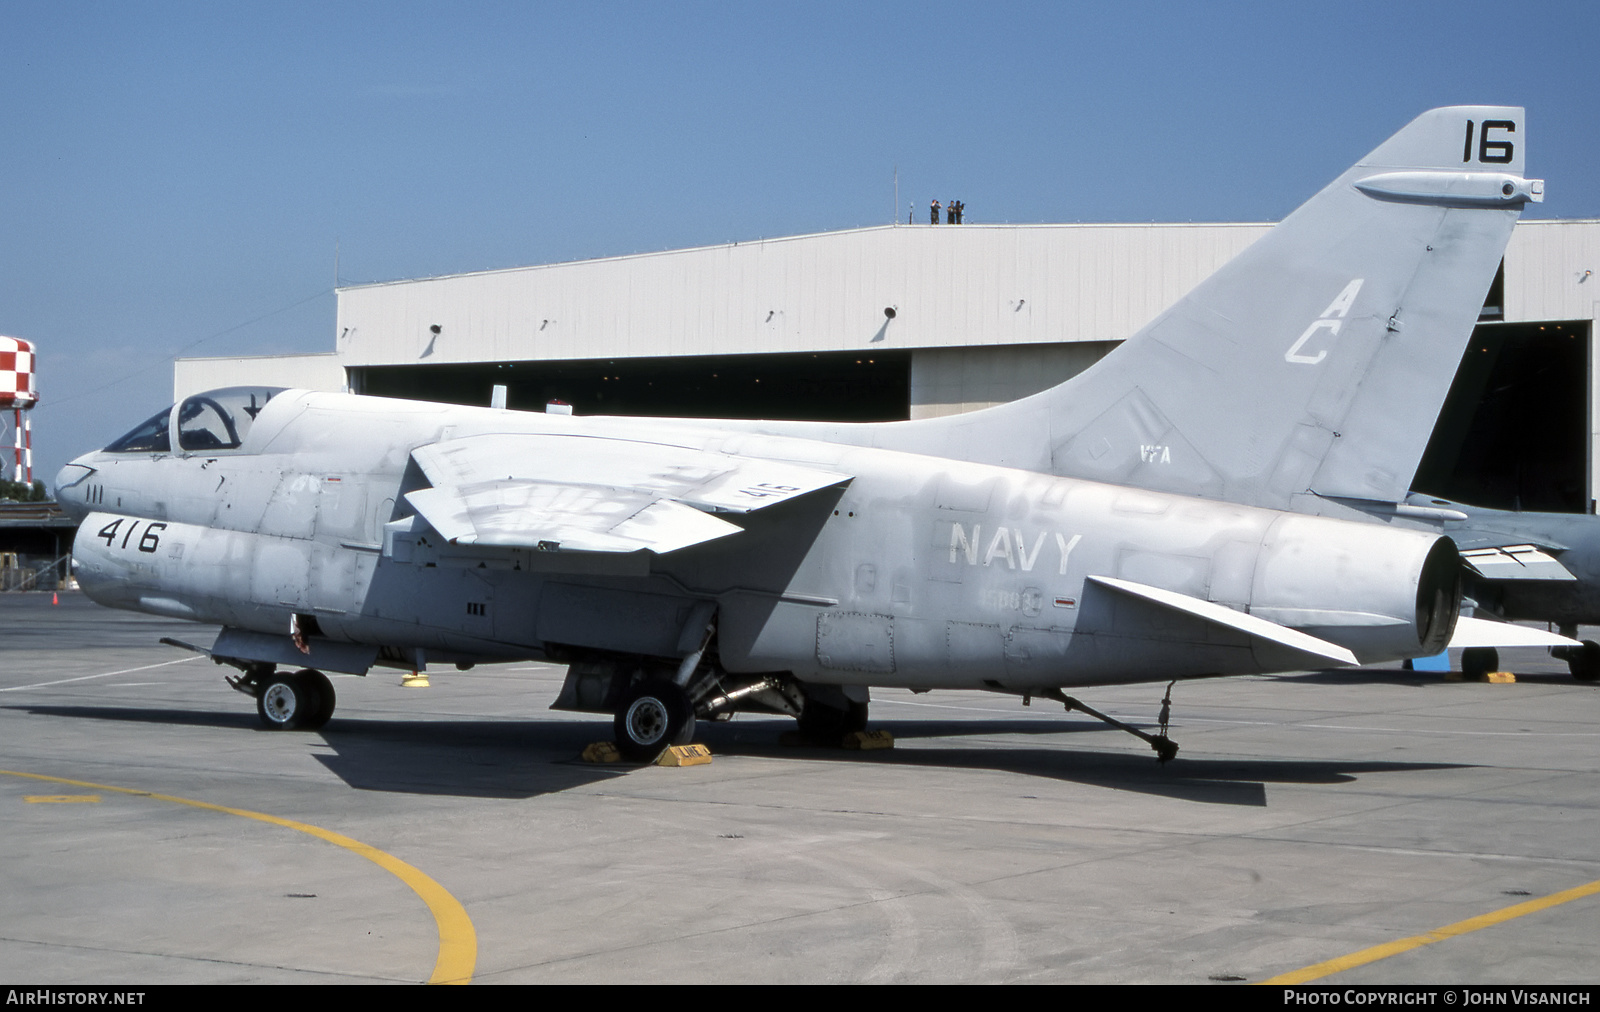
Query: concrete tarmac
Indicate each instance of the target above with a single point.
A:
(1307, 817)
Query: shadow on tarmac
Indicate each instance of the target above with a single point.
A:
(1418, 679)
(523, 759)
(1196, 779)
(465, 758)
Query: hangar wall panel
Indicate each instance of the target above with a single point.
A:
(1546, 265)
(949, 286)
(948, 381)
(321, 371)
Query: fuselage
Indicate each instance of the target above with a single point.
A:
(920, 571)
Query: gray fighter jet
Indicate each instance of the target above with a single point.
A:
(687, 572)
(690, 569)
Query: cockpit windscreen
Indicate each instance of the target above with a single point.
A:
(149, 437)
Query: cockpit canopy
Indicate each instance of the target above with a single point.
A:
(205, 423)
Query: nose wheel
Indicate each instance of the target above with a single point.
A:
(302, 701)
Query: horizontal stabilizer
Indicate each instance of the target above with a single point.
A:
(1515, 562)
(713, 482)
(1316, 651)
(1477, 632)
(531, 514)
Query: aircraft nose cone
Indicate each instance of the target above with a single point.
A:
(69, 489)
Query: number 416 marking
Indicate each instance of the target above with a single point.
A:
(147, 543)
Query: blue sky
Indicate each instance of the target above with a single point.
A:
(175, 178)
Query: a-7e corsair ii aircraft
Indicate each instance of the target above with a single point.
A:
(689, 569)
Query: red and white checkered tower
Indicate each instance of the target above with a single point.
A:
(19, 393)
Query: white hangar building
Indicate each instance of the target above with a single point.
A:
(910, 321)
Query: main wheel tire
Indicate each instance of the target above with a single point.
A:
(1584, 662)
(1477, 662)
(828, 724)
(653, 715)
(319, 688)
(286, 702)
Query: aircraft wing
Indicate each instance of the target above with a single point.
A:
(596, 494)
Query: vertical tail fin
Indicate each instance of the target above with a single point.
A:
(1318, 359)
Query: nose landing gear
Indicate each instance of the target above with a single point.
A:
(302, 701)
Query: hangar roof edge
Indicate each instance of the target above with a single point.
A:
(808, 235)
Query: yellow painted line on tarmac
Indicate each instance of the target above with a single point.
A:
(1471, 924)
(59, 799)
(458, 942)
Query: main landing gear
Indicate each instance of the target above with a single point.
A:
(653, 714)
(1583, 661)
(1478, 662)
(655, 704)
(302, 701)
(655, 711)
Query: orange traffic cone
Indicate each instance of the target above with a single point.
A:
(54, 598)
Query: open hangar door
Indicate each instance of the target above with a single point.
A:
(820, 386)
(1514, 431)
